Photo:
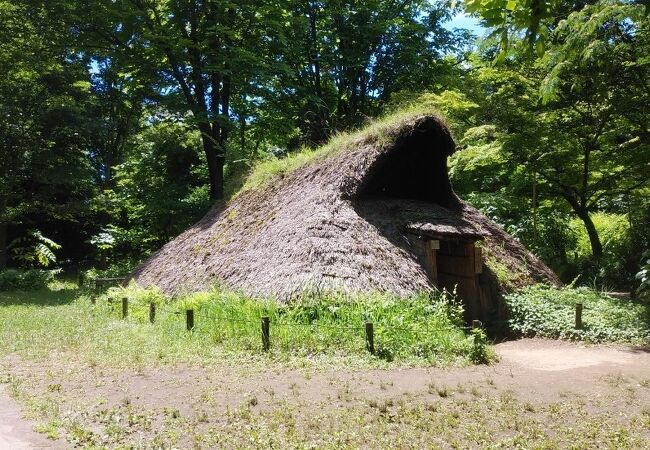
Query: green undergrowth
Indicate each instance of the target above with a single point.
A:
(378, 131)
(421, 330)
(25, 280)
(547, 311)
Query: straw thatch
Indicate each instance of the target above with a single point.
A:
(339, 222)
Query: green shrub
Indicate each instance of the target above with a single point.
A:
(480, 351)
(118, 269)
(546, 311)
(137, 295)
(643, 276)
(139, 299)
(25, 280)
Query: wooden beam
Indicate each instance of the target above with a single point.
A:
(478, 260)
(433, 264)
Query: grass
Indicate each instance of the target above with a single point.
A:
(75, 367)
(435, 420)
(379, 132)
(417, 328)
(61, 320)
(547, 311)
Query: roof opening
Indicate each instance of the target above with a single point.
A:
(415, 169)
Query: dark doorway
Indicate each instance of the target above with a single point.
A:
(455, 265)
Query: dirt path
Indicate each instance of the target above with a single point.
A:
(557, 355)
(15, 432)
(610, 380)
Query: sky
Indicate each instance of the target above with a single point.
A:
(462, 20)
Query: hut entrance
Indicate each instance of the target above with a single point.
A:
(455, 264)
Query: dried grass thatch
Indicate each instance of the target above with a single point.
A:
(336, 221)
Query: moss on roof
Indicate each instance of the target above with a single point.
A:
(380, 131)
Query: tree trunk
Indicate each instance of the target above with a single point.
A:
(217, 193)
(578, 205)
(215, 163)
(594, 239)
(3, 245)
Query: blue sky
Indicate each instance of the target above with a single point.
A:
(462, 20)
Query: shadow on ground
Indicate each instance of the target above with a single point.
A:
(41, 297)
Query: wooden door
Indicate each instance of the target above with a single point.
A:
(458, 265)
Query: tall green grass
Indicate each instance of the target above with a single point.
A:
(423, 326)
(419, 330)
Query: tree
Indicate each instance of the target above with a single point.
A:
(343, 59)
(117, 109)
(202, 53)
(44, 101)
(596, 87)
(536, 19)
(575, 120)
(165, 158)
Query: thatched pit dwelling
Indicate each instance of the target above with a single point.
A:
(373, 211)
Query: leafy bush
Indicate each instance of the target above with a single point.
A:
(644, 276)
(137, 295)
(115, 270)
(480, 351)
(546, 311)
(139, 299)
(25, 280)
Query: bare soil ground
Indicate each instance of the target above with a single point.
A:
(17, 433)
(540, 393)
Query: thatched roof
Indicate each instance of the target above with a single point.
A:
(338, 222)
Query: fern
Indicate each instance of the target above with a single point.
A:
(34, 248)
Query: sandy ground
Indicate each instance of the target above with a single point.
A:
(537, 370)
(558, 356)
(16, 433)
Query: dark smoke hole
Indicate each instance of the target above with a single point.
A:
(416, 169)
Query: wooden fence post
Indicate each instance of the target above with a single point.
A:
(266, 334)
(152, 312)
(370, 337)
(578, 316)
(125, 307)
(189, 319)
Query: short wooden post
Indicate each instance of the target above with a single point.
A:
(266, 334)
(370, 337)
(152, 312)
(95, 287)
(189, 319)
(477, 324)
(125, 307)
(578, 316)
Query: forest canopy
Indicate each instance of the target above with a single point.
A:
(123, 122)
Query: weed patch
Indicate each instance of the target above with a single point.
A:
(421, 330)
(546, 311)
